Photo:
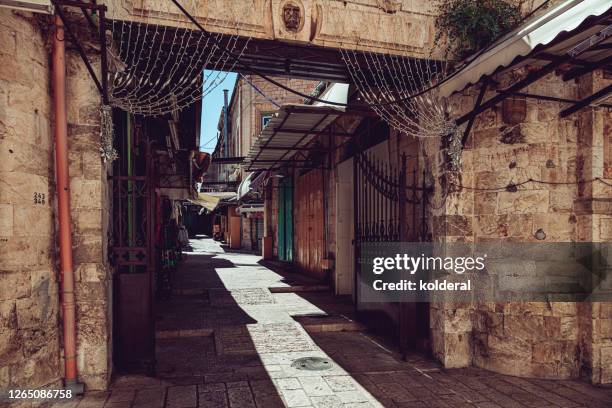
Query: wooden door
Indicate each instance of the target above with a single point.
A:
(309, 223)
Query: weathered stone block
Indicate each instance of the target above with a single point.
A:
(34, 220)
(458, 225)
(457, 350)
(87, 249)
(485, 203)
(28, 185)
(515, 347)
(8, 42)
(521, 202)
(92, 358)
(561, 201)
(457, 321)
(90, 291)
(88, 222)
(605, 228)
(524, 327)
(5, 377)
(36, 371)
(75, 165)
(605, 328)
(10, 347)
(569, 328)
(14, 285)
(90, 272)
(35, 311)
(92, 166)
(18, 253)
(605, 311)
(552, 326)
(501, 226)
(489, 322)
(85, 193)
(6, 220)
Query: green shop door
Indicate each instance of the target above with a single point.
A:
(285, 219)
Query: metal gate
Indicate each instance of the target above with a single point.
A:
(133, 255)
(390, 206)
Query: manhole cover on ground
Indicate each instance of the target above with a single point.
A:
(312, 364)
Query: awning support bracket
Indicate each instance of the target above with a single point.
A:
(102, 84)
(586, 101)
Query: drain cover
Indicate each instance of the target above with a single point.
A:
(312, 364)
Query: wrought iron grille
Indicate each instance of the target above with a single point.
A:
(382, 198)
(130, 221)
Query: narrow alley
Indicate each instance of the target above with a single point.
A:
(232, 331)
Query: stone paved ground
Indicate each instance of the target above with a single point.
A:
(225, 340)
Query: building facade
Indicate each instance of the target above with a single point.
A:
(309, 212)
(253, 103)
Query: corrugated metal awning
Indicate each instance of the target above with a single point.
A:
(250, 208)
(211, 200)
(292, 127)
(542, 29)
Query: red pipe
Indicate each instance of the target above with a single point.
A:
(63, 203)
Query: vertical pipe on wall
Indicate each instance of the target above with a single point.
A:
(63, 207)
(130, 186)
(225, 124)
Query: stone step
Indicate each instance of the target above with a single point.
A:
(169, 334)
(189, 291)
(329, 323)
(299, 288)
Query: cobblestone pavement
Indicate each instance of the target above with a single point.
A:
(226, 340)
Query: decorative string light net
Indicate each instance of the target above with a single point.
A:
(400, 88)
(157, 57)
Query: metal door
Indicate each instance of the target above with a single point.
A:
(387, 209)
(309, 235)
(132, 253)
(285, 220)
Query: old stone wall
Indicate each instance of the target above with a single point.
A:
(516, 141)
(247, 108)
(30, 320)
(249, 105)
(90, 211)
(375, 25)
(29, 316)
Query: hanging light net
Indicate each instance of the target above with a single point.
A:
(157, 58)
(400, 88)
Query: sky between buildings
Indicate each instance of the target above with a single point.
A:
(211, 109)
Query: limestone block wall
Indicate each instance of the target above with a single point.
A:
(91, 212)
(29, 335)
(547, 340)
(30, 320)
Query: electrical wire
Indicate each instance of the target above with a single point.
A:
(513, 187)
(312, 98)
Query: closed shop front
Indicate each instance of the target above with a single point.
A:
(309, 216)
(285, 219)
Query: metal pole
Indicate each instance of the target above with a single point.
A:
(225, 132)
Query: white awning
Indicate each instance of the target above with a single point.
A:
(211, 200)
(250, 208)
(292, 126)
(539, 30)
(245, 186)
